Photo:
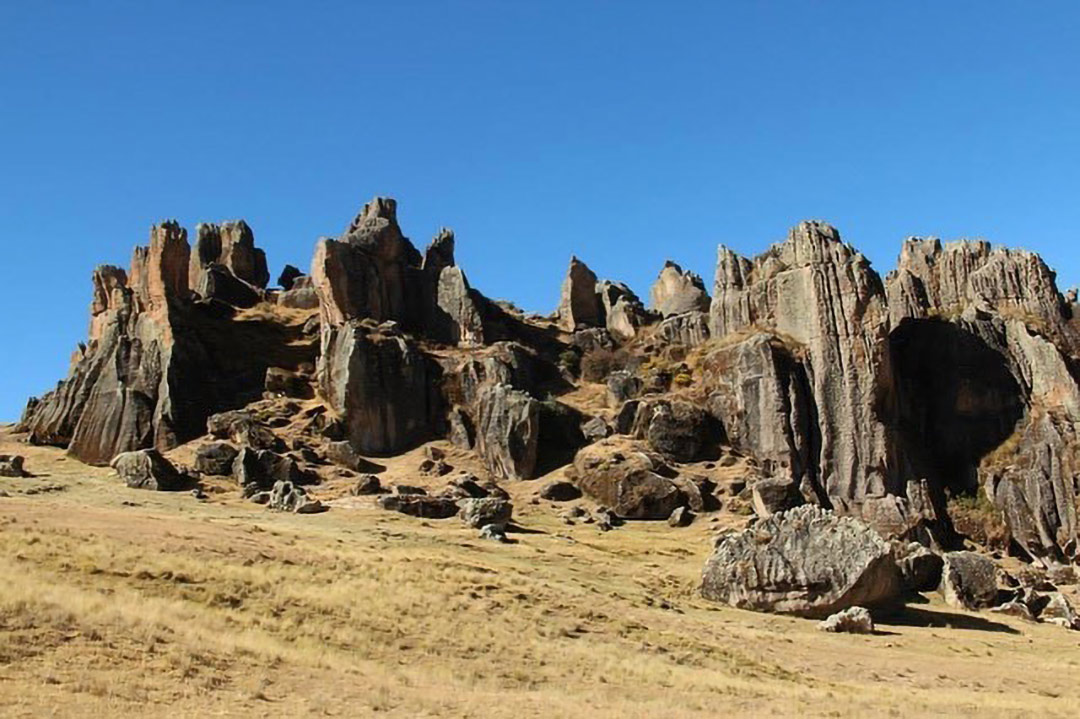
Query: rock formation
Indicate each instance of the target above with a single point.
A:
(884, 401)
(677, 291)
(805, 561)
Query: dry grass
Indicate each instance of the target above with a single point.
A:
(124, 603)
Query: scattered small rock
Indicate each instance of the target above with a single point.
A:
(855, 620)
(681, 517)
(418, 505)
(11, 465)
(288, 497)
(215, 458)
(479, 513)
(559, 491)
(367, 484)
(147, 469)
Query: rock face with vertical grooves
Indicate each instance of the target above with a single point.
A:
(822, 301)
(156, 364)
(958, 375)
(380, 384)
(986, 356)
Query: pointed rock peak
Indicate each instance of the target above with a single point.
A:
(161, 270)
(677, 291)
(440, 253)
(380, 213)
(289, 275)
(231, 244)
(579, 304)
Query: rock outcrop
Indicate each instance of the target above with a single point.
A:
(230, 245)
(147, 469)
(984, 351)
(677, 291)
(827, 366)
(806, 561)
(579, 304)
(381, 384)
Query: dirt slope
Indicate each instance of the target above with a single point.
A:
(118, 602)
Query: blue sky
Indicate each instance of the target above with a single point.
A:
(624, 132)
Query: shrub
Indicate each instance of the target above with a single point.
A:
(598, 363)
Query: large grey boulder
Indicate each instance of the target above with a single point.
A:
(508, 432)
(968, 580)
(147, 469)
(806, 561)
(261, 469)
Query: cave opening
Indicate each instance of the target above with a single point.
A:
(957, 401)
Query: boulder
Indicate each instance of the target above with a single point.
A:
(1059, 611)
(856, 620)
(494, 533)
(806, 561)
(256, 469)
(367, 484)
(775, 494)
(595, 429)
(559, 491)
(478, 513)
(343, 454)
(630, 481)
(215, 458)
(622, 310)
(508, 432)
(288, 497)
(681, 517)
(11, 465)
(680, 431)
(289, 275)
(968, 580)
(417, 505)
(919, 567)
(147, 469)
(216, 282)
(676, 292)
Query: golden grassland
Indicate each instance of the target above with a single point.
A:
(118, 602)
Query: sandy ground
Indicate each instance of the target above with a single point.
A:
(118, 602)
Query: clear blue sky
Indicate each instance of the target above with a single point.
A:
(624, 132)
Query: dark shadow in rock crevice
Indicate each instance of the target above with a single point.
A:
(957, 401)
